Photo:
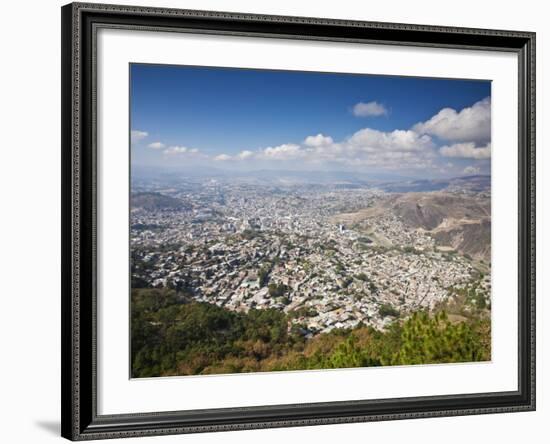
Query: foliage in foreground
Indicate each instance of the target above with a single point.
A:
(174, 338)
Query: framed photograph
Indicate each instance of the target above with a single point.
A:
(282, 221)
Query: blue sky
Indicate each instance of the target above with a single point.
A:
(245, 119)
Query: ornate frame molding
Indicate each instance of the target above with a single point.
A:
(80, 22)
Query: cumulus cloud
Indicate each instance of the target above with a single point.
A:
(318, 140)
(371, 140)
(286, 151)
(365, 147)
(416, 148)
(243, 155)
(466, 150)
(471, 170)
(470, 124)
(156, 145)
(393, 150)
(137, 135)
(222, 158)
(246, 154)
(369, 109)
(464, 134)
(175, 150)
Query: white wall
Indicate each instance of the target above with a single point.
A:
(30, 218)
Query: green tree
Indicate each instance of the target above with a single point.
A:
(436, 340)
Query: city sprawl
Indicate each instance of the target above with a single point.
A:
(330, 256)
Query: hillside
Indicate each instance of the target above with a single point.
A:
(462, 223)
(431, 210)
(174, 338)
(156, 202)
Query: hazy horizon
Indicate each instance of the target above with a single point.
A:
(145, 172)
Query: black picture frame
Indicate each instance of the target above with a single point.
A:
(80, 420)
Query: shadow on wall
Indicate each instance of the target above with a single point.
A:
(53, 427)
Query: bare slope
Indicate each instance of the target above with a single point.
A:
(457, 221)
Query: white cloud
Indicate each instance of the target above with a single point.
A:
(156, 145)
(222, 157)
(371, 141)
(370, 109)
(392, 150)
(286, 151)
(175, 150)
(246, 154)
(471, 170)
(318, 140)
(243, 155)
(136, 135)
(470, 124)
(466, 150)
